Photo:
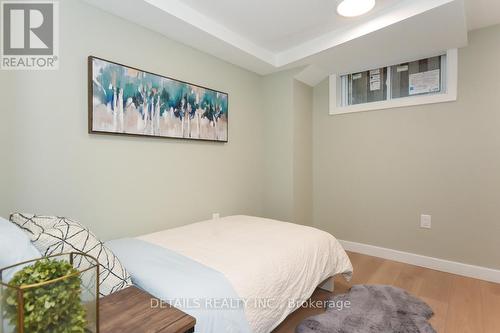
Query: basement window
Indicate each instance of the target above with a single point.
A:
(365, 87)
(423, 81)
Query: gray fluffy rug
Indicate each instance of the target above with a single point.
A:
(371, 309)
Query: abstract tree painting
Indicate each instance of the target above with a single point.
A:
(126, 100)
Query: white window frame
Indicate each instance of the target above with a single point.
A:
(448, 93)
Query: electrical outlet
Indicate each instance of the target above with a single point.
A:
(215, 216)
(425, 221)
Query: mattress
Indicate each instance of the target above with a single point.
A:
(274, 266)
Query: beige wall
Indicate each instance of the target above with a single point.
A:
(119, 185)
(278, 153)
(288, 155)
(302, 154)
(376, 172)
(6, 133)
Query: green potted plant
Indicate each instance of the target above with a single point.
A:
(46, 296)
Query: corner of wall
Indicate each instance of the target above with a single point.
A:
(288, 145)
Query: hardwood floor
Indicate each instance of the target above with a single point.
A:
(460, 304)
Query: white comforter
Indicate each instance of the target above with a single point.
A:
(274, 265)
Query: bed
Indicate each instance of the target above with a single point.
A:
(234, 274)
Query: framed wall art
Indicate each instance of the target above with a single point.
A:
(126, 100)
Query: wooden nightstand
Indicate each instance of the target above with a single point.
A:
(130, 311)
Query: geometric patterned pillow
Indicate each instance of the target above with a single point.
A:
(55, 235)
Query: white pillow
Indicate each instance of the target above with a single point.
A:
(55, 235)
(15, 247)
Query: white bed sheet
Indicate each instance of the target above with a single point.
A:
(276, 263)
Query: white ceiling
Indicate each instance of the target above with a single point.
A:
(279, 25)
(482, 13)
(266, 36)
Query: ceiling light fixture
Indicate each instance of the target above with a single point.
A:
(353, 8)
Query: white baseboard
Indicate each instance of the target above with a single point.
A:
(477, 272)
